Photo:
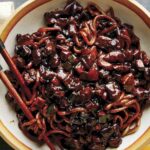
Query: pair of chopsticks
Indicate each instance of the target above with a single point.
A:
(14, 69)
(13, 91)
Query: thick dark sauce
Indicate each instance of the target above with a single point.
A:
(89, 78)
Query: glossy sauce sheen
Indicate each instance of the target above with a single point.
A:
(89, 78)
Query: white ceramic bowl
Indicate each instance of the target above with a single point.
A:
(27, 19)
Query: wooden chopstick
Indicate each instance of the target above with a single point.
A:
(14, 69)
(14, 93)
(21, 103)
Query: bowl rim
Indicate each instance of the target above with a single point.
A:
(21, 12)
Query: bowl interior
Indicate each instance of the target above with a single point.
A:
(31, 22)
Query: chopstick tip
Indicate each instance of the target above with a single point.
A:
(1, 68)
(2, 46)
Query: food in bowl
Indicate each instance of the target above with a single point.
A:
(88, 77)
